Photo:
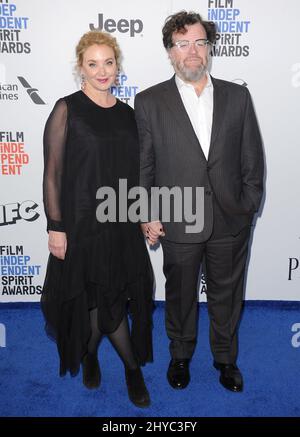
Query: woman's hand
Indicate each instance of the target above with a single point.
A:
(57, 244)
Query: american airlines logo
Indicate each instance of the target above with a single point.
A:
(32, 92)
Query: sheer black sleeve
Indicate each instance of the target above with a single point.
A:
(54, 149)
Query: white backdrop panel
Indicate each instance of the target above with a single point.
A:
(37, 57)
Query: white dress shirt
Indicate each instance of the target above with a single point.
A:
(199, 109)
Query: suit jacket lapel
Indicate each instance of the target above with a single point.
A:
(174, 102)
(219, 111)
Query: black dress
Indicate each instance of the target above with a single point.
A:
(106, 264)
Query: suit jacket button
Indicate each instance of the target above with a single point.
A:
(208, 193)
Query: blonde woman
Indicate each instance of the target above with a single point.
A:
(95, 269)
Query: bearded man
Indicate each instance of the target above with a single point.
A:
(198, 131)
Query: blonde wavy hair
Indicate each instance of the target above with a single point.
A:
(96, 37)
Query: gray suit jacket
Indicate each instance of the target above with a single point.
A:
(171, 155)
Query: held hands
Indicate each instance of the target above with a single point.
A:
(152, 231)
(57, 244)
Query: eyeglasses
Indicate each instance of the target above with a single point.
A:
(185, 44)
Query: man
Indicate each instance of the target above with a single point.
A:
(197, 131)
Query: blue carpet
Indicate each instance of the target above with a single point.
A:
(30, 385)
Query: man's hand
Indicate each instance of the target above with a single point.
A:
(57, 244)
(152, 231)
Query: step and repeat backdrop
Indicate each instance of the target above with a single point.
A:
(257, 47)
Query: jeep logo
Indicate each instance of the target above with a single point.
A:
(123, 26)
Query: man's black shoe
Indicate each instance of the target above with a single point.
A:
(230, 377)
(178, 373)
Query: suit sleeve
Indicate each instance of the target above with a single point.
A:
(147, 161)
(55, 134)
(252, 160)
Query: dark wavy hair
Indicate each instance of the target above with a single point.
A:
(177, 23)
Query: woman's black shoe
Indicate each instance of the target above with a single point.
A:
(137, 391)
(91, 374)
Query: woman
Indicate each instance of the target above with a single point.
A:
(95, 268)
